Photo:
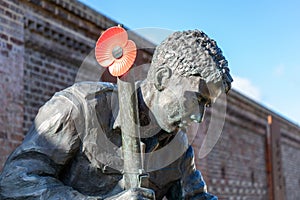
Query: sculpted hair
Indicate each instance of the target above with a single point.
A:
(191, 53)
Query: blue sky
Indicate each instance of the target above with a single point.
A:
(259, 38)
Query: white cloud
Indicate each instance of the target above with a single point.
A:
(246, 87)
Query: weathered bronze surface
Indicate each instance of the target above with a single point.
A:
(73, 149)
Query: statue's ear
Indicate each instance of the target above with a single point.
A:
(162, 75)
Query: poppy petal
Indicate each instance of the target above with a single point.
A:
(112, 37)
(118, 33)
(104, 55)
(122, 65)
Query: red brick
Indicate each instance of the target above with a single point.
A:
(16, 138)
(3, 135)
(8, 14)
(4, 4)
(3, 36)
(9, 46)
(16, 41)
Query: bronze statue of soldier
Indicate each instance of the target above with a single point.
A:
(72, 151)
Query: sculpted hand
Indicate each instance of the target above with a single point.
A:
(135, 194)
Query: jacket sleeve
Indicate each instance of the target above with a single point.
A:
(192, 183)
(32, 171)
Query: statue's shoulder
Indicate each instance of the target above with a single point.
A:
(84, 92)
(88, 89)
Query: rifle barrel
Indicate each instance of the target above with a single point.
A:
(131, 144)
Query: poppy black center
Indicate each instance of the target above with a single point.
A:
(117, 52)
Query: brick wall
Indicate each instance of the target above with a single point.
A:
(59, 41)
(47, 45)
(53, 51)
(236, 166)
(290, 150)
(11, 77)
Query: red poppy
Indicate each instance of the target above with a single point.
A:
(115, 51)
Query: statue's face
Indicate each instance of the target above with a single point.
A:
(183, 101)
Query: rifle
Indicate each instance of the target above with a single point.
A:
(115, 51)
(132, 146)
